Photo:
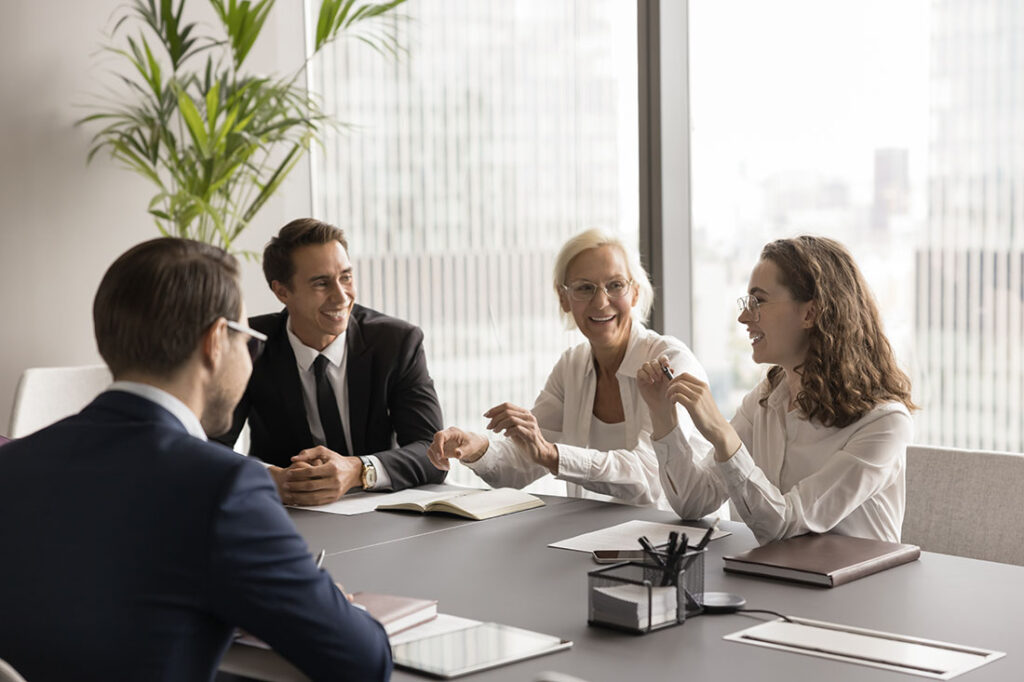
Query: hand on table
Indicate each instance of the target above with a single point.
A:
(318, 476)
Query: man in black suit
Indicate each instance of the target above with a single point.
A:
(340, 396)
(132, 547)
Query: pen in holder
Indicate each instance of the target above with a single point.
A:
(639, 597)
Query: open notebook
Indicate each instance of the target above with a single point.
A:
(472, 504)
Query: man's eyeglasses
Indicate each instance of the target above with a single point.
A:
(256, 339)
(583, 291)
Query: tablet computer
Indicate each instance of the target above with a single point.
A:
(472, 649)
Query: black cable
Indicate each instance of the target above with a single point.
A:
(774, 613)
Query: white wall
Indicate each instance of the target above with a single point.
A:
(62, 222)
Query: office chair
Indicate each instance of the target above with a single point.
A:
(8, 673)
(965, 502)
(48, 394)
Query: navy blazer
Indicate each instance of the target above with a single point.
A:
(390, 392)
(131, 550)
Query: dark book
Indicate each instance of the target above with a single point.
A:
(396, 613)
(827, 559)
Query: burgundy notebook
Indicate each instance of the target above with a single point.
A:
(827, 559)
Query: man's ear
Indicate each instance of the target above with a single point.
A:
(280, 290)
(213, 343)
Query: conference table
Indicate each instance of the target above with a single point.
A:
(502, 570)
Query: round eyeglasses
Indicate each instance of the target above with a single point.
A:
(583, 291)
(750, 304)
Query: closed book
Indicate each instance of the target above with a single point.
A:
(827, 559)
(472, 504)
(396, 613)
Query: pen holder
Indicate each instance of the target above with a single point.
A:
(631, 597)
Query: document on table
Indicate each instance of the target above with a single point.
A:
(911, 655)
(624, 535)
(362, 502)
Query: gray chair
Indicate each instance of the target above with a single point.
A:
(8, 673)
(48, 394)
(965, 502)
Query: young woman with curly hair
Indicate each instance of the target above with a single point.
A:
(820, 445)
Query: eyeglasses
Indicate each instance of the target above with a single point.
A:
(751, 305)
(256, 339)
(584, 291)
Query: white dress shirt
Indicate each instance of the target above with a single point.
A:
(564, 411)
(793, 476)
(165, 400)
(337, 373)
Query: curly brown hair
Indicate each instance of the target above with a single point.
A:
(849, 367)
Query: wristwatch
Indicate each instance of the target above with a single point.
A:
(369, 473)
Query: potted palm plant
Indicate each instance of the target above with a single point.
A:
(215, 140)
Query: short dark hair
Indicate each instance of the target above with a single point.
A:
(277, 256)
(156, 301)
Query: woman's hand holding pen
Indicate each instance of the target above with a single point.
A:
(653, 379)
(454, 443)
(694, 395)
(520, 425)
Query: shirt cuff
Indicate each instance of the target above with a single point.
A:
(737, 469)
(489, 461)
(574, 463)
(674, 439)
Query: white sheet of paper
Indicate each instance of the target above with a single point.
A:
(361, 503)
(437, 626)
(911, 655)
(624, 535)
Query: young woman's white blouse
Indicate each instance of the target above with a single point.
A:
(564, 412)
(793, 476)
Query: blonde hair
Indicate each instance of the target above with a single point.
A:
(595, 238)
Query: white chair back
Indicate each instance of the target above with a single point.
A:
(965, 502)
(8, 673)
(48, 394)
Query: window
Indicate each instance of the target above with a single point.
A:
(507, 127)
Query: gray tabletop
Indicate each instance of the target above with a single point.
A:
(502, 570)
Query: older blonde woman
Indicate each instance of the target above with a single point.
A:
(589, 426)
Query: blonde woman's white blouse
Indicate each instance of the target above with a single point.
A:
(564, 412)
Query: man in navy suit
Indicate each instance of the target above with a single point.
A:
(132, 547)
(340, 397)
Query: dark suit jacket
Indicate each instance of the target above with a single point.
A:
(131, 550)
(390, 392)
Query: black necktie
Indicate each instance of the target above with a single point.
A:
(327, 406)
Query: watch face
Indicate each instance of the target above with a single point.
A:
(369, 476)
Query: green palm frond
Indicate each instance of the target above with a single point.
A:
(216, 142)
